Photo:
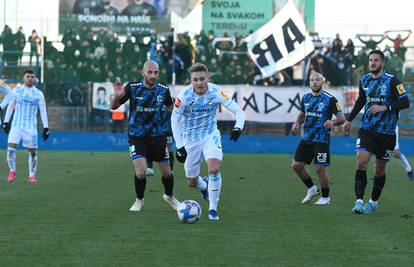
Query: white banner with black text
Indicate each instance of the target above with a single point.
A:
(265, 104)
(281, 42)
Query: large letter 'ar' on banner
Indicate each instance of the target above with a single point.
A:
(280, 43)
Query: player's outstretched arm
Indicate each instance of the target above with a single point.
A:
(240, 119)
(5, 89)
(119, 92)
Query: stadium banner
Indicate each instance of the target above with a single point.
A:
(102, 94)
(120, 16)
(265, 104)
(242, 16)
(280, 43)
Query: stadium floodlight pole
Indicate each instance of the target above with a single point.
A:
(4, 12)
(173, 56)
(42, 45)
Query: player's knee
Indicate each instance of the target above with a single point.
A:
(379, 169)
(362, 164)
(140, 173)
(320, 169)
(192, 182)
(296, 166)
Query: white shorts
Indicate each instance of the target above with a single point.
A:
(28, 137)
(210, 148)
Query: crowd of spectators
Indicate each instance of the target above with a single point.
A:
(90, 56)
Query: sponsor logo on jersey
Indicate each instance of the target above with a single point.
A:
(313, 114)
(147, 109)
(400, 89)
(177, 103)
(375, 99)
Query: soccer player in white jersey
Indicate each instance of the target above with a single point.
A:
(26, 101)
(194, 127)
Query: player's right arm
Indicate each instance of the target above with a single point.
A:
(300, 119)
(176, 121)
(359, 104)
(9, 113)
(8, 94)
(121, 94)
(177, 128)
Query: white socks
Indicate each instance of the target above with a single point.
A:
(201, 184)
(405, 163)
(32, 164)
(11, 158)
(214, 188)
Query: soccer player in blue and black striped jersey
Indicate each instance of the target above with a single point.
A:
(146, 135)
(382, 96)
(316, 113)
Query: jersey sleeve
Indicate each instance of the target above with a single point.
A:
(400, 99)
(43, 112)
(179, 105)
(335, 106)
(397, 88)
(222, 98)
(168, 100)
(302, 105)
(126, 95)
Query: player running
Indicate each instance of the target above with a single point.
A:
(194, 126)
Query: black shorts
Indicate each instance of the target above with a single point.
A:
(316, 151)
(382, 145)
(153, 149)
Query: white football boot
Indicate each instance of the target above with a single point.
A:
(149, 172)
(313, 191)
(171, 200)
(323, 201)
(138, 204)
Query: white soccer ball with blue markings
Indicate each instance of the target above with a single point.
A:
(189, 211)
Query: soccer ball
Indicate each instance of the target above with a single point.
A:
(189, 211)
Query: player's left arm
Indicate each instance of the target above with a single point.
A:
(231, 105)
(43, 116)
(399, 97)
(168, 102)
(337, 111)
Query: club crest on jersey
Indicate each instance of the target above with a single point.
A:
(210, 101)
(191, 103)
(383, 90)
(320, 107)
(160, 99)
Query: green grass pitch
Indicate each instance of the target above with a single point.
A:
(78, 215)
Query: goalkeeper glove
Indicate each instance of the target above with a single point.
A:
(45, 134)
(235, 133)
(181, 154)
(6, 127)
